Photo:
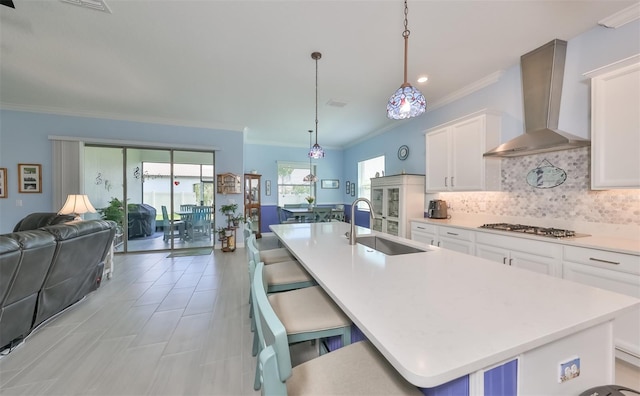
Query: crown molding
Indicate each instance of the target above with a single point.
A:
(119, 117)
(621, 17)
(467, 90)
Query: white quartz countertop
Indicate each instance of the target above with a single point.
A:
(439, 315)
(614, 244)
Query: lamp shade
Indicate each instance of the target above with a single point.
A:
(406, 102)
(77, 204)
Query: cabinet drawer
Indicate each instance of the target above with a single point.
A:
(538, 248)
(424, 227)
(603, 259)
(456, 233)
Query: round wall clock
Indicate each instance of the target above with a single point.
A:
(403, 152)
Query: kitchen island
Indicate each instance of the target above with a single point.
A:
(440, 316)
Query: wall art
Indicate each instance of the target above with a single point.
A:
(3, 182)
(29, 178)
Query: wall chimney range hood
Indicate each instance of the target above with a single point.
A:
(542, 73)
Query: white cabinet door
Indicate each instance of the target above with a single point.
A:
(493, 253)
(617, 272)
(626, 328)
(615, 125)
(457, 239)
(466, 151)
(537, 256)
(437, 173)
(454, 154)
(425, 233)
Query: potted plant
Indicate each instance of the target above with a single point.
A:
(310, 200)
(221, 231)
(237, 220)
(229, 209)
(114, 212)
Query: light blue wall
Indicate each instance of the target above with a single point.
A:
(24, 139)
(263, 159)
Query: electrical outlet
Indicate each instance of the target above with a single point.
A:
(569, 370)
(18, 202)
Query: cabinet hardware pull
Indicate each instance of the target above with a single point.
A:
(431, 242)
(420, 228)
(510, 260)
(504, 260)
(438, 243)
(603, 261)
(451, 181)
(445, 181)
(452, 233)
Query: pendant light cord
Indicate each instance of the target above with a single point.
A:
(405, 34)
(316, 56)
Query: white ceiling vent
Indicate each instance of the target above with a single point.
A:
(98, 5)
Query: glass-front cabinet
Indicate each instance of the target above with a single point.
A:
(252, 201)
(386, 206)
(396, 199)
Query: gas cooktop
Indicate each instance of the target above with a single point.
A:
(534, 230)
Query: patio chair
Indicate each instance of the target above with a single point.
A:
(171, 227)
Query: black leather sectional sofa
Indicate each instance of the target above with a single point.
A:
(47, 269)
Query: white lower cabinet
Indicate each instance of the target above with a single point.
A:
(425, 233)
(523, 253)
(456, 239)
(616, 272)
(451, 238)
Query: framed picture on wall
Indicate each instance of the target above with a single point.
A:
(29, 178)
(330, 183)
(267, 187)
(3, 182)
(348, 187)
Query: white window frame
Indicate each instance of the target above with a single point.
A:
(311, 187)
(367, 169)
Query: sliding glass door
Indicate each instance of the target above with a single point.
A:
(160, 188)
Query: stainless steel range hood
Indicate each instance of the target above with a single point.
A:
(542, 74)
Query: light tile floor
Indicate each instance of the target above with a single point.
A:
(160, 326)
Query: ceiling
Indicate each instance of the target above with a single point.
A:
(246, 65)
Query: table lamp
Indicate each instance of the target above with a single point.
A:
(77, 204)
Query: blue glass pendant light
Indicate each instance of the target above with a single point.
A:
(311, 178)
(316, 151)
(407, 101)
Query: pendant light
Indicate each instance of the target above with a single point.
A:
(311, 178)
(407, 101)
(316, 151)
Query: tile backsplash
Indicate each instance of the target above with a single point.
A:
(571, 201)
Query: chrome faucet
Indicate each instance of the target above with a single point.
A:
(352, 232)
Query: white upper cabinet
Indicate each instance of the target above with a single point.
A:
(454, 154)
(615, 125)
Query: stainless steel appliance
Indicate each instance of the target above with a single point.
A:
(542, 72)
(437, 209)
(534, 230)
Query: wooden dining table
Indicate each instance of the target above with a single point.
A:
(303, 214)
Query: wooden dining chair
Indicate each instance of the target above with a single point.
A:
(354, 369)
(201, 221)
(321, 214)
(170, 227)
(305, 314)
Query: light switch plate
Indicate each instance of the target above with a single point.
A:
(569, 370)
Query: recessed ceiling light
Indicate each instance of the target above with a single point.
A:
(423, 79)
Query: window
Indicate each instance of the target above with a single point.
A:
(291, 187)
(366, 170)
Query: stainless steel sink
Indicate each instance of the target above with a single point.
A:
(386, 246)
